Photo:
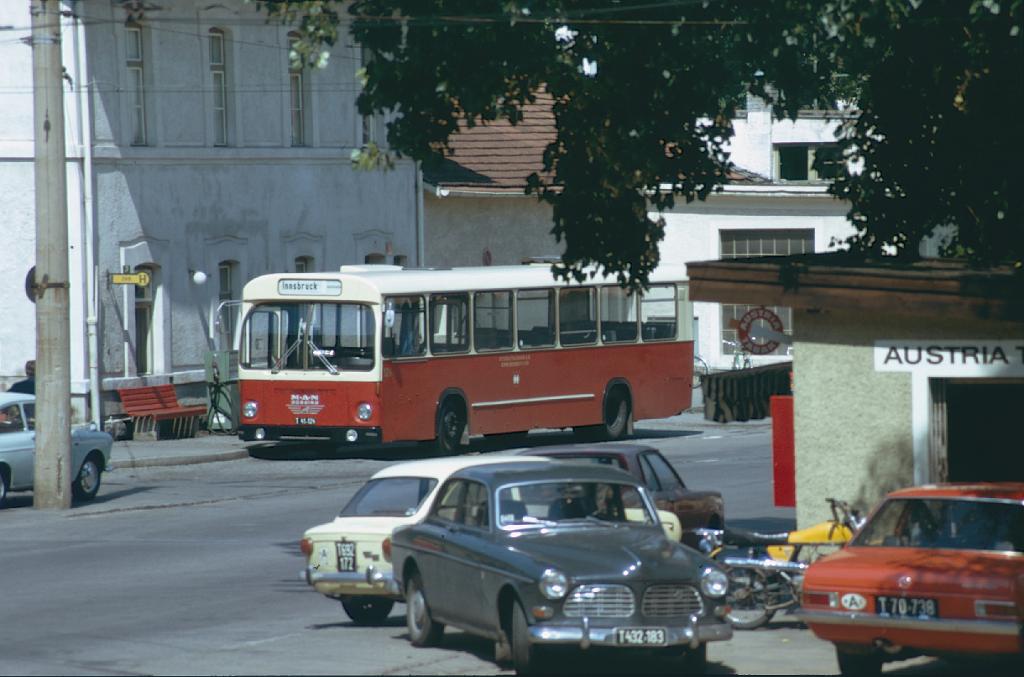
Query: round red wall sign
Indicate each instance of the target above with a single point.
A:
(758, 346)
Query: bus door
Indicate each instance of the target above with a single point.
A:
(264, 338)
(407, 391)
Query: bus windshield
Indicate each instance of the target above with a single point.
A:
(309, 336)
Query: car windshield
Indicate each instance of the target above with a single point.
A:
(962, 524)
(389, 497)
(550, 503)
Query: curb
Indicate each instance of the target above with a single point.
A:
(178, 460)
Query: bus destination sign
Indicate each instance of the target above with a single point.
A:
(295, 287)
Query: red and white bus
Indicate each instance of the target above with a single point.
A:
(383, 354)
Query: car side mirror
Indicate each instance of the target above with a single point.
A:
(389, 318)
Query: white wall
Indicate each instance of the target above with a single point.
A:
(693, 233)
(17, 195)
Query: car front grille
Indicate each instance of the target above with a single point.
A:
(600, 601)
(671, 600)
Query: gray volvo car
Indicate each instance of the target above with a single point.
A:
(571, 554)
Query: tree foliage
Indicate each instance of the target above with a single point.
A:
(645, 91)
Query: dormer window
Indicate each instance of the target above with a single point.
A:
(795, 162)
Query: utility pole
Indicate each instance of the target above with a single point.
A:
(52, 485)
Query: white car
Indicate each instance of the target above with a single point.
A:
(90, 450)
(348, 559)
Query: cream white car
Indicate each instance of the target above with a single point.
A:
(348, 559)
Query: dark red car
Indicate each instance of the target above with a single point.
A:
(936, 570)
(695, 509)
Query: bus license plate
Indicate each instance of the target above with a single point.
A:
(910, 607)
(346, 556)
(305, 420)
(640, 636)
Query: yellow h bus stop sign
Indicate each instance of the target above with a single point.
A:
(140, 279)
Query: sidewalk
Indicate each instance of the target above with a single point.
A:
(204, 448)
(213, 447)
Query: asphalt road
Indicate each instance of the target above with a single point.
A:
(193, 569)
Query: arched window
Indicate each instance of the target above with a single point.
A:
(219, 80)
(375, 258)
(304, 264)
(144, 298)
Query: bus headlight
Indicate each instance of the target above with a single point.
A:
(553, 584)
(364, 411)
(714, 582)
(249, 409)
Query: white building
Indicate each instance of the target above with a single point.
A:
(476, 212)
(192, 147)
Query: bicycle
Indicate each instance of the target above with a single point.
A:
(740, 358)
(700, 370)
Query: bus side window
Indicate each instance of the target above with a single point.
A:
(577, 316)
(618, 315)
(449, 323)
(535, 318)
(405, 337)
(658, 313)
(492, 320)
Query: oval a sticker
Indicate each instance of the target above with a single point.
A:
(853, 601)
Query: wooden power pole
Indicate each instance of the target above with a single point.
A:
(52, 486)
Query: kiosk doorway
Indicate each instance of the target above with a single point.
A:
(985, 430)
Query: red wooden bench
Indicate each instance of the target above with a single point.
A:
(148, 406)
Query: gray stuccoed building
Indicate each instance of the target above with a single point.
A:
(198, 155)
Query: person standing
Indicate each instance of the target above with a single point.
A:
(28, 384)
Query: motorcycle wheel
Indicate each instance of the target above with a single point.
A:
(748, 596)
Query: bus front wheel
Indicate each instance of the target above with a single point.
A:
(451, 427)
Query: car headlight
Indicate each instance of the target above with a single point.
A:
(553, 584)
(364, 411)
(249, 409)
(714, 582)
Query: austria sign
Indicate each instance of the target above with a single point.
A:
(965, 358)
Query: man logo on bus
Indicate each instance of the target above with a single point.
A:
(303, 403)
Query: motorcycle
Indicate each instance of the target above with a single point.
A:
(766, 570)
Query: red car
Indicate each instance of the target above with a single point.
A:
(936, 570)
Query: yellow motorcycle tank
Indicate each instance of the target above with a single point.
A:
(823, 533)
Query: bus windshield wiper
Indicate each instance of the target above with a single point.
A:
(318, 352)
(291, 349)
